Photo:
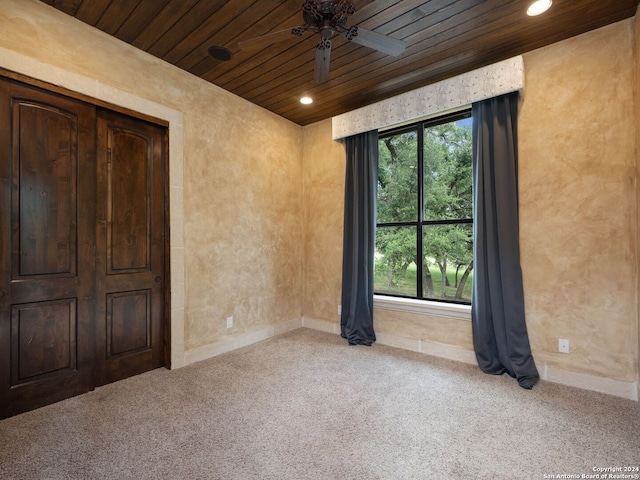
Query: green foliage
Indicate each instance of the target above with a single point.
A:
(406, 284)
(398, 178)
(447, 196)
(447, 172)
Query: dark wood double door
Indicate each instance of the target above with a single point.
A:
(82, 247)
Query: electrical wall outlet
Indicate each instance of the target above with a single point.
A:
(563, 345)
(229, 322)
(339, 309)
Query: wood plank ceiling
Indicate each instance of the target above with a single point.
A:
(444, 38)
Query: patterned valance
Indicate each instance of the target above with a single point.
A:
(491, 81)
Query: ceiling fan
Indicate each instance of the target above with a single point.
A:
(328, 17)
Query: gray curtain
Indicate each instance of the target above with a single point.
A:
(500, 334)
(361, 183)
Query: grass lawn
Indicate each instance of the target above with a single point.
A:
(407, 284)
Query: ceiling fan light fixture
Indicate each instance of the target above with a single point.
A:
(306, 100)
(538, 7)
(222, 54)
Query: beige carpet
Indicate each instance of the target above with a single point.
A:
(306, 405)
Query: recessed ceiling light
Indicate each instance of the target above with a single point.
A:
(306, 100)
(538, 7)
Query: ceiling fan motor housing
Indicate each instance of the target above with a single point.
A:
(325, 17)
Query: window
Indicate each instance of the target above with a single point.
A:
(424, 234)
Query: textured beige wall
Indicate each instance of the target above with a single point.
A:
(426, 328)
(636, 90)
(578, 212)
(243, 221)
(578, 202)
(323, 180)
(242, 171)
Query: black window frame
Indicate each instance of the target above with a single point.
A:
(421, 222)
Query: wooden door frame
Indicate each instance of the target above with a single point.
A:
(49, 87)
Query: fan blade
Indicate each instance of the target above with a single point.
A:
(323, 56)
(377, 41)
(265, 40)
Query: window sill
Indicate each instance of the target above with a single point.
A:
(423, 307)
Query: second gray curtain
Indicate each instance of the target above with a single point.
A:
(500, 336)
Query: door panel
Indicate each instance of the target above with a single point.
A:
(130, 249)
(129, 186)
(47, 227)
(45, 176)
(128, 322)
(43, 340)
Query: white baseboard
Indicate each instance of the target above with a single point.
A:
(322, 325)
(430, 348)
(586, 381)
(618, 388)
(232, 343)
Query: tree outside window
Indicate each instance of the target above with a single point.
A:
(424, 234)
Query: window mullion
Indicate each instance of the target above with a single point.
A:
(419, 232)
